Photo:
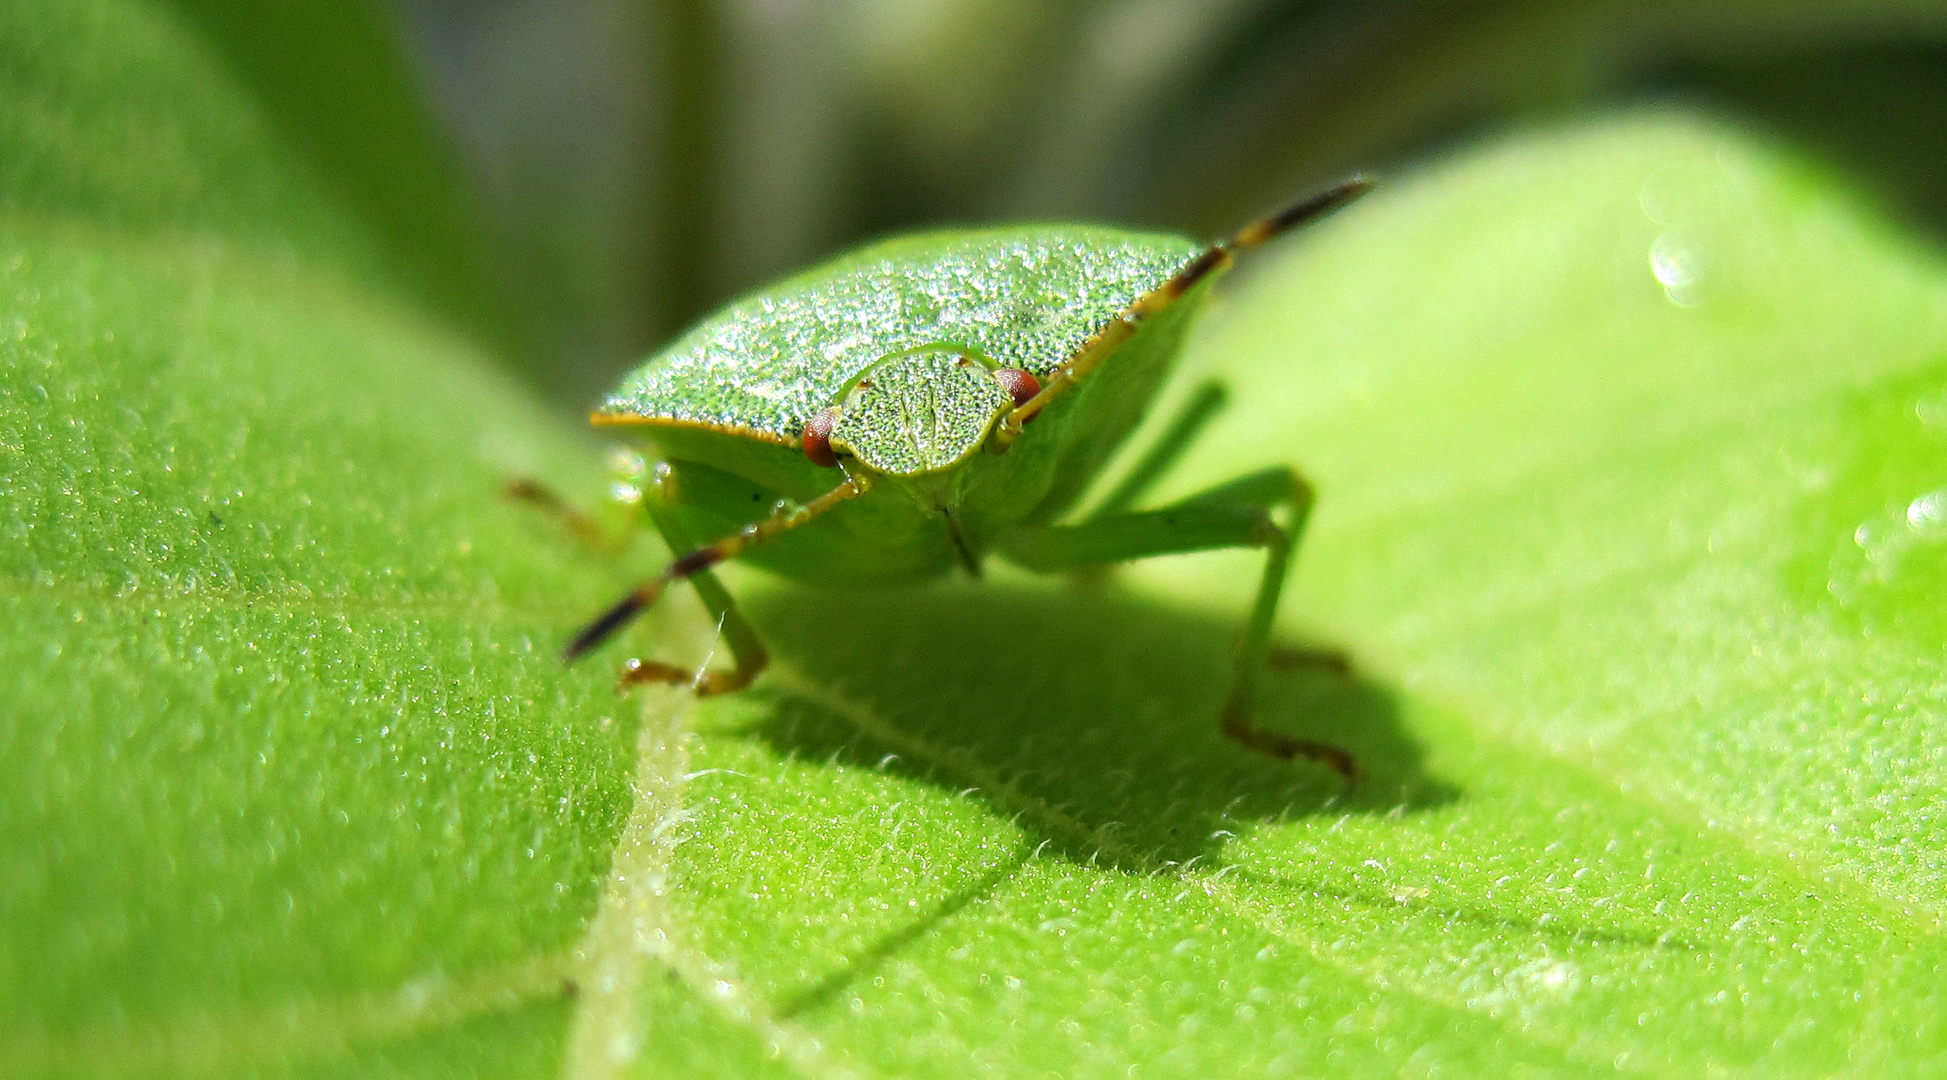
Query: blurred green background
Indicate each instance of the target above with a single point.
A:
(641, 162)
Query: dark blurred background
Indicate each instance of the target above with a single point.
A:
(639, 161)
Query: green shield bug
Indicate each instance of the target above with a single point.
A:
(931, 400)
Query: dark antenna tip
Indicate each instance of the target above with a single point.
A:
(610, 621)
(1303, 212)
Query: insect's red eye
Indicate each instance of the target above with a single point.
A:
(1020, 385)
(818, 438)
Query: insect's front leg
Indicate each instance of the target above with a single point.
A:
(660, 498)
(1237, 514)
(747, 653)
(645, 495)
(1265, 491)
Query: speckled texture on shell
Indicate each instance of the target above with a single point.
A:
(920, 413)
(1025, 296)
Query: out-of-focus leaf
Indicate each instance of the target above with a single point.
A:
(1314, 89)
(333, 78)
(110, 121)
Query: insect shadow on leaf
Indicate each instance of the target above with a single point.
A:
(1096, 705)
(1082, 719)
(863, 964)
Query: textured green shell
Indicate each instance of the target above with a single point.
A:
(1027, 297)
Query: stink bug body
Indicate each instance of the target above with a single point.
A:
(930, 401)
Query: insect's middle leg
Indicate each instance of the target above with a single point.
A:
(1202, 407)
(1191, 419)
(1237, 514)
(604, 541)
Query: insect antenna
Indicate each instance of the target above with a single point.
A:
(1266, 229)
(646, 594)
(1262, 231)
(1124, 326)
(616, 617)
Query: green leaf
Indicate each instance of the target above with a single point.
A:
(1639, 576)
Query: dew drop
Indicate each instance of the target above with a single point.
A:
(1931, 410)
(626, 463)
(1890, 543)
(1679, 269)
(1928, 513)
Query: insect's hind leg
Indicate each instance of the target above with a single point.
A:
(1238, 718)
(1237, 514)
(747, 653)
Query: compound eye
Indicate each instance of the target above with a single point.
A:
(1020, 385)
(818, 439)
